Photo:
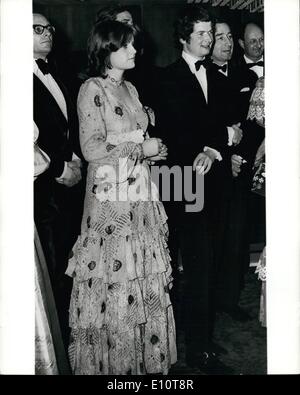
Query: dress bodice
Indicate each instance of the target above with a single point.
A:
(104, 116)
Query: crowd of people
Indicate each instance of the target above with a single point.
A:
(110, 245)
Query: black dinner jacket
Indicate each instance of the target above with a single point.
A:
(253, 134)
(187, 123)
(184, 118)
(245, 80)
(58, 137)
(231, 100)
(225, 96)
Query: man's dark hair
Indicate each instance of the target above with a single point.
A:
(105, 38)
(190, 15)
(221, 19)
(110, 13)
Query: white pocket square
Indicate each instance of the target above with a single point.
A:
(245, 89)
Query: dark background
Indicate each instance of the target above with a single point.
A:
(73, 20)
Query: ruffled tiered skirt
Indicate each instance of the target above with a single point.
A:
(120, 312)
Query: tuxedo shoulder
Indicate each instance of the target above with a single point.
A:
(238, 61)
(178, 64)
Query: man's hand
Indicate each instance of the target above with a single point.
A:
(236, 163)
(75, 163)
(238, 134)
(203, 162)
(73, 173)
(260, 154)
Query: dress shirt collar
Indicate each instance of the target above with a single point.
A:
(190, 60)
(222, 65)
(247, 60)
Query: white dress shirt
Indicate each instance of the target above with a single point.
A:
(200, 74)
(258, 70)
(230, 130)
(52, 87)
(55, 91)
(221, 71)
(202, 79)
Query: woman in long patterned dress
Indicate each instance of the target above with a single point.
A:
(120, 312)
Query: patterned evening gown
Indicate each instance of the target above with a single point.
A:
(120, 311)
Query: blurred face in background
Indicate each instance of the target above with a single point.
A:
(223, 47)
(42, 43)
(253, 43)
(125, 17)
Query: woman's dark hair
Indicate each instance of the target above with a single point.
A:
(190, 15)
(105, 38)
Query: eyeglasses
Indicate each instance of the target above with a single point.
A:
(255, 41)
(39, 29)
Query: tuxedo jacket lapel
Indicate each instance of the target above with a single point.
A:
(41, 91)
(189, 80)
(69, 103)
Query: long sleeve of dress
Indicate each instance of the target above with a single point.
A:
(93, 128)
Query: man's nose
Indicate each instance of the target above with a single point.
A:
(47, 32)
(259, 43)
(208, 36)
(133, 50)
(228, 42)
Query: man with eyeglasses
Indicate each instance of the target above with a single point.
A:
(57, 192)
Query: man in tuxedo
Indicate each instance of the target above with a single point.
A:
(58, 191)
(249, 68)
(233, 87)
(251, 64)
(195, 137)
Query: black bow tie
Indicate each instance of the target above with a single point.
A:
(200, 63)
(222, 68)
(43, 66)
(260, 63)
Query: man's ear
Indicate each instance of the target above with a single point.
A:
(182, 41)
(241, 42)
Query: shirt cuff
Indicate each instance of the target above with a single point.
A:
(230, 135)
(60, 179)
(217, 153)
(75, 157)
